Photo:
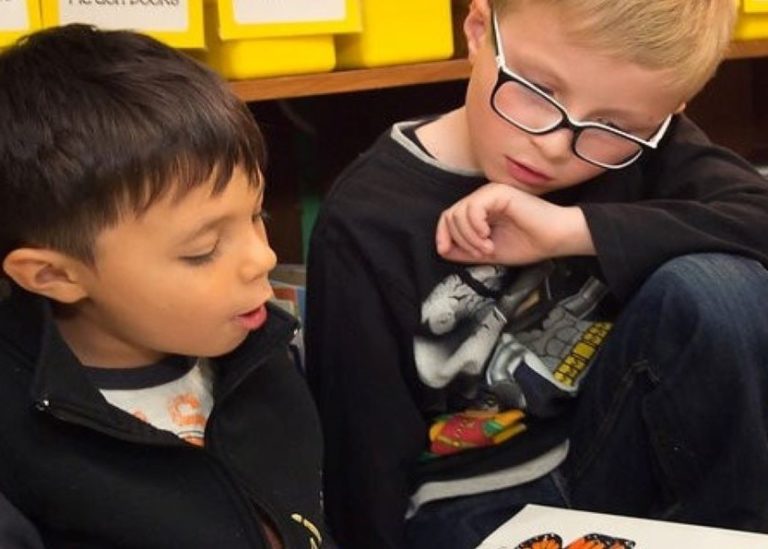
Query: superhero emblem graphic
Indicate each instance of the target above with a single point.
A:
(499, 339)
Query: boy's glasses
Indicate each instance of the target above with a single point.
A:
(525, 106)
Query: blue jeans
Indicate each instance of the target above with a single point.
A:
(673, 417)
(464, 522)
(672, 420)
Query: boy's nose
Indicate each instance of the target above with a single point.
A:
(554, 146)
(258, 261)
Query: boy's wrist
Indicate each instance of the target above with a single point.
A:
(575, 237)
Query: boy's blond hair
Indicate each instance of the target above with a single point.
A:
(687, 37)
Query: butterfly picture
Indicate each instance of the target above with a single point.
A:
(590, 541)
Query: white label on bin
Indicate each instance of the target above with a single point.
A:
(141, 15)
(288, 11)
(13, 15)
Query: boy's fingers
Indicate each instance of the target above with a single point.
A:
(448, 239)
(462, 232)
(477, 217)
(442, 236)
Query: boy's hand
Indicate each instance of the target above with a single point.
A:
(500, 224)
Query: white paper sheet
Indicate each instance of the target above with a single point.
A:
(535, 521)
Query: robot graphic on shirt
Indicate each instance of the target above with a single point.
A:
(497, 336)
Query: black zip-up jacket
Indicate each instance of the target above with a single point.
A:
(88, 474)
(16, 532)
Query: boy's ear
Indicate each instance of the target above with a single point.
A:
(46, 272)
(477, 26)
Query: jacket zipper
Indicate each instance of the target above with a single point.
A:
(282, 526)
(256, 506)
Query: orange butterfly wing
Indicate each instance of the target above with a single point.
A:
(543, 541)
(600, 541)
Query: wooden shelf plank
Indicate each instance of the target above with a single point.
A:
(350, 80)
(743, 49)
(261, 89)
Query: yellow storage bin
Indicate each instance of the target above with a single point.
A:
(753, 20)
(398, 32)
(17, 18)
(261, 57)
(178, 23)
(258, 38)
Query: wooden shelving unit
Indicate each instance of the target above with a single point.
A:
(280, 87)
(350, 80)
(748, 48)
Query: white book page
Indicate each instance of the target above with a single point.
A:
(569, 525)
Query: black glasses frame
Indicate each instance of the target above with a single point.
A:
(505, 75)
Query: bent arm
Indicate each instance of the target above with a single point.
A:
(701, 198)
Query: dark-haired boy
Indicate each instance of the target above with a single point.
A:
(148, 397)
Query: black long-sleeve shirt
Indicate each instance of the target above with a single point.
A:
(373, 268)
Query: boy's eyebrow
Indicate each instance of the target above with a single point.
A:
(635, 120)
(215, 222)
(540, 71)
(536, 69)
(543, 71)
(208, 226)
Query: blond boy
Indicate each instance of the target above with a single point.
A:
(614, 240)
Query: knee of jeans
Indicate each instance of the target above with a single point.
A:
(713, 289)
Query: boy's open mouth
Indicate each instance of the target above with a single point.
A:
(254, 319)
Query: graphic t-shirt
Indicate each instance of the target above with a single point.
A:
(175, 394)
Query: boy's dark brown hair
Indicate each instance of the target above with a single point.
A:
(97, 124)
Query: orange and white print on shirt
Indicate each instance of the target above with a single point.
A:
(180, 406)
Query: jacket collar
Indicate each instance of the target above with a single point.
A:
(28, 332)
(271, 338)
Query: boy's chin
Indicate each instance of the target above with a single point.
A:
(224, 348)
(212, 350)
